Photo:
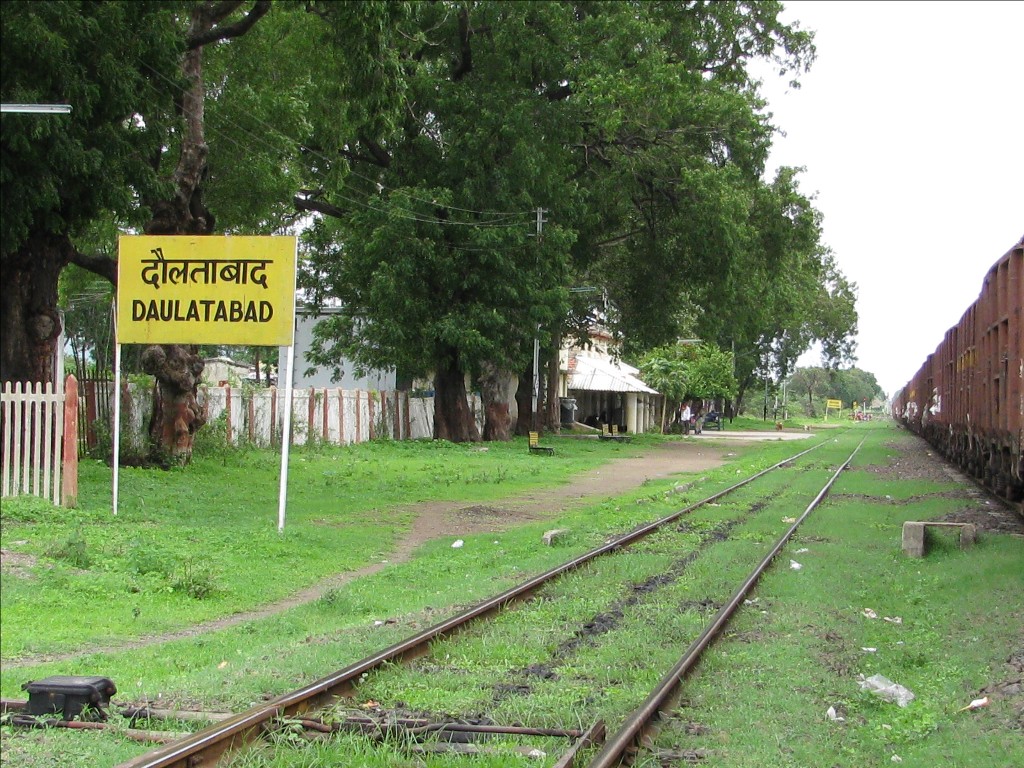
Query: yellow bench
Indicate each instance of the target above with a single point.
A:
(613, 434)
(536, 447)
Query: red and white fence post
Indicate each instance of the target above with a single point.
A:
(69, 490)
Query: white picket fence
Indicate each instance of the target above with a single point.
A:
(39, 453)
(35, 459)
(328, 416)
(323, 415)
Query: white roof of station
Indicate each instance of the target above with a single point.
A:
(601, 374)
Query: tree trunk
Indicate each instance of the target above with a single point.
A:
(524, 402)
(741, 390)
(453, 419)
(176, 411)
(497, 388)
(176, 414)
(29, 322)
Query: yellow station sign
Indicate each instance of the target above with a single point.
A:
(180, 289)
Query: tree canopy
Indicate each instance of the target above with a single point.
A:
(686, 371)
(60, 173)
(853, 385)
(849, 385)
(458, 170)
(632, 129)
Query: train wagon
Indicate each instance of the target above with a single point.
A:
(967, 399)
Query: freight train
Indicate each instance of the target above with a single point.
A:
(967, 400)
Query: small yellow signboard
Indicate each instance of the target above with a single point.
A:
(180, 289)
(837, 404)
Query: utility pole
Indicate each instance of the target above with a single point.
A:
(766, 388)
(536, 380)
(535, 413)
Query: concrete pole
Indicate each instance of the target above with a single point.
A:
(631, 412)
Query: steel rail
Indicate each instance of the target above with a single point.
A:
(640, 725)
(205, 747)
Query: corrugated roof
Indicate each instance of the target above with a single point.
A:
(594, 374)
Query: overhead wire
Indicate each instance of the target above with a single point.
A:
(392, 210)
(402, 213)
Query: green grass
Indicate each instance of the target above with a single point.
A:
(800, 650)
(760, 695)
(199, 543)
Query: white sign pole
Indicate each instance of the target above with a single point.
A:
(286, 435)
(117, 410)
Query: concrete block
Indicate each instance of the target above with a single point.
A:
(913, 539)
(551, 535)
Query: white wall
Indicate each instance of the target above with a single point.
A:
(304, 323)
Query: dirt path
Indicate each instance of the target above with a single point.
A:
(439, 519)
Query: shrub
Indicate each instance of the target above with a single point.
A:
(73, 551)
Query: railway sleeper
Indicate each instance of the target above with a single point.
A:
(423, 736)
(132, 734)
(418, 728)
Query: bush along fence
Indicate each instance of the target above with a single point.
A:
(39, 452)
(255, 416)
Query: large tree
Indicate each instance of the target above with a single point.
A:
(853, 385)
(177, 369)
(674, 153)
(811, 381)
(61, 172)
(433, 246)
(132, 151)
(633, 125)
(782, 290)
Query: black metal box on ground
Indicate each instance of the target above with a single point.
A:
(69, 695)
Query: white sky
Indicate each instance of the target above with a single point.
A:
(910, 125)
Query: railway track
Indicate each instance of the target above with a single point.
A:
(622, 747)
(298, 709)
(303, 709)
(521, 687)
